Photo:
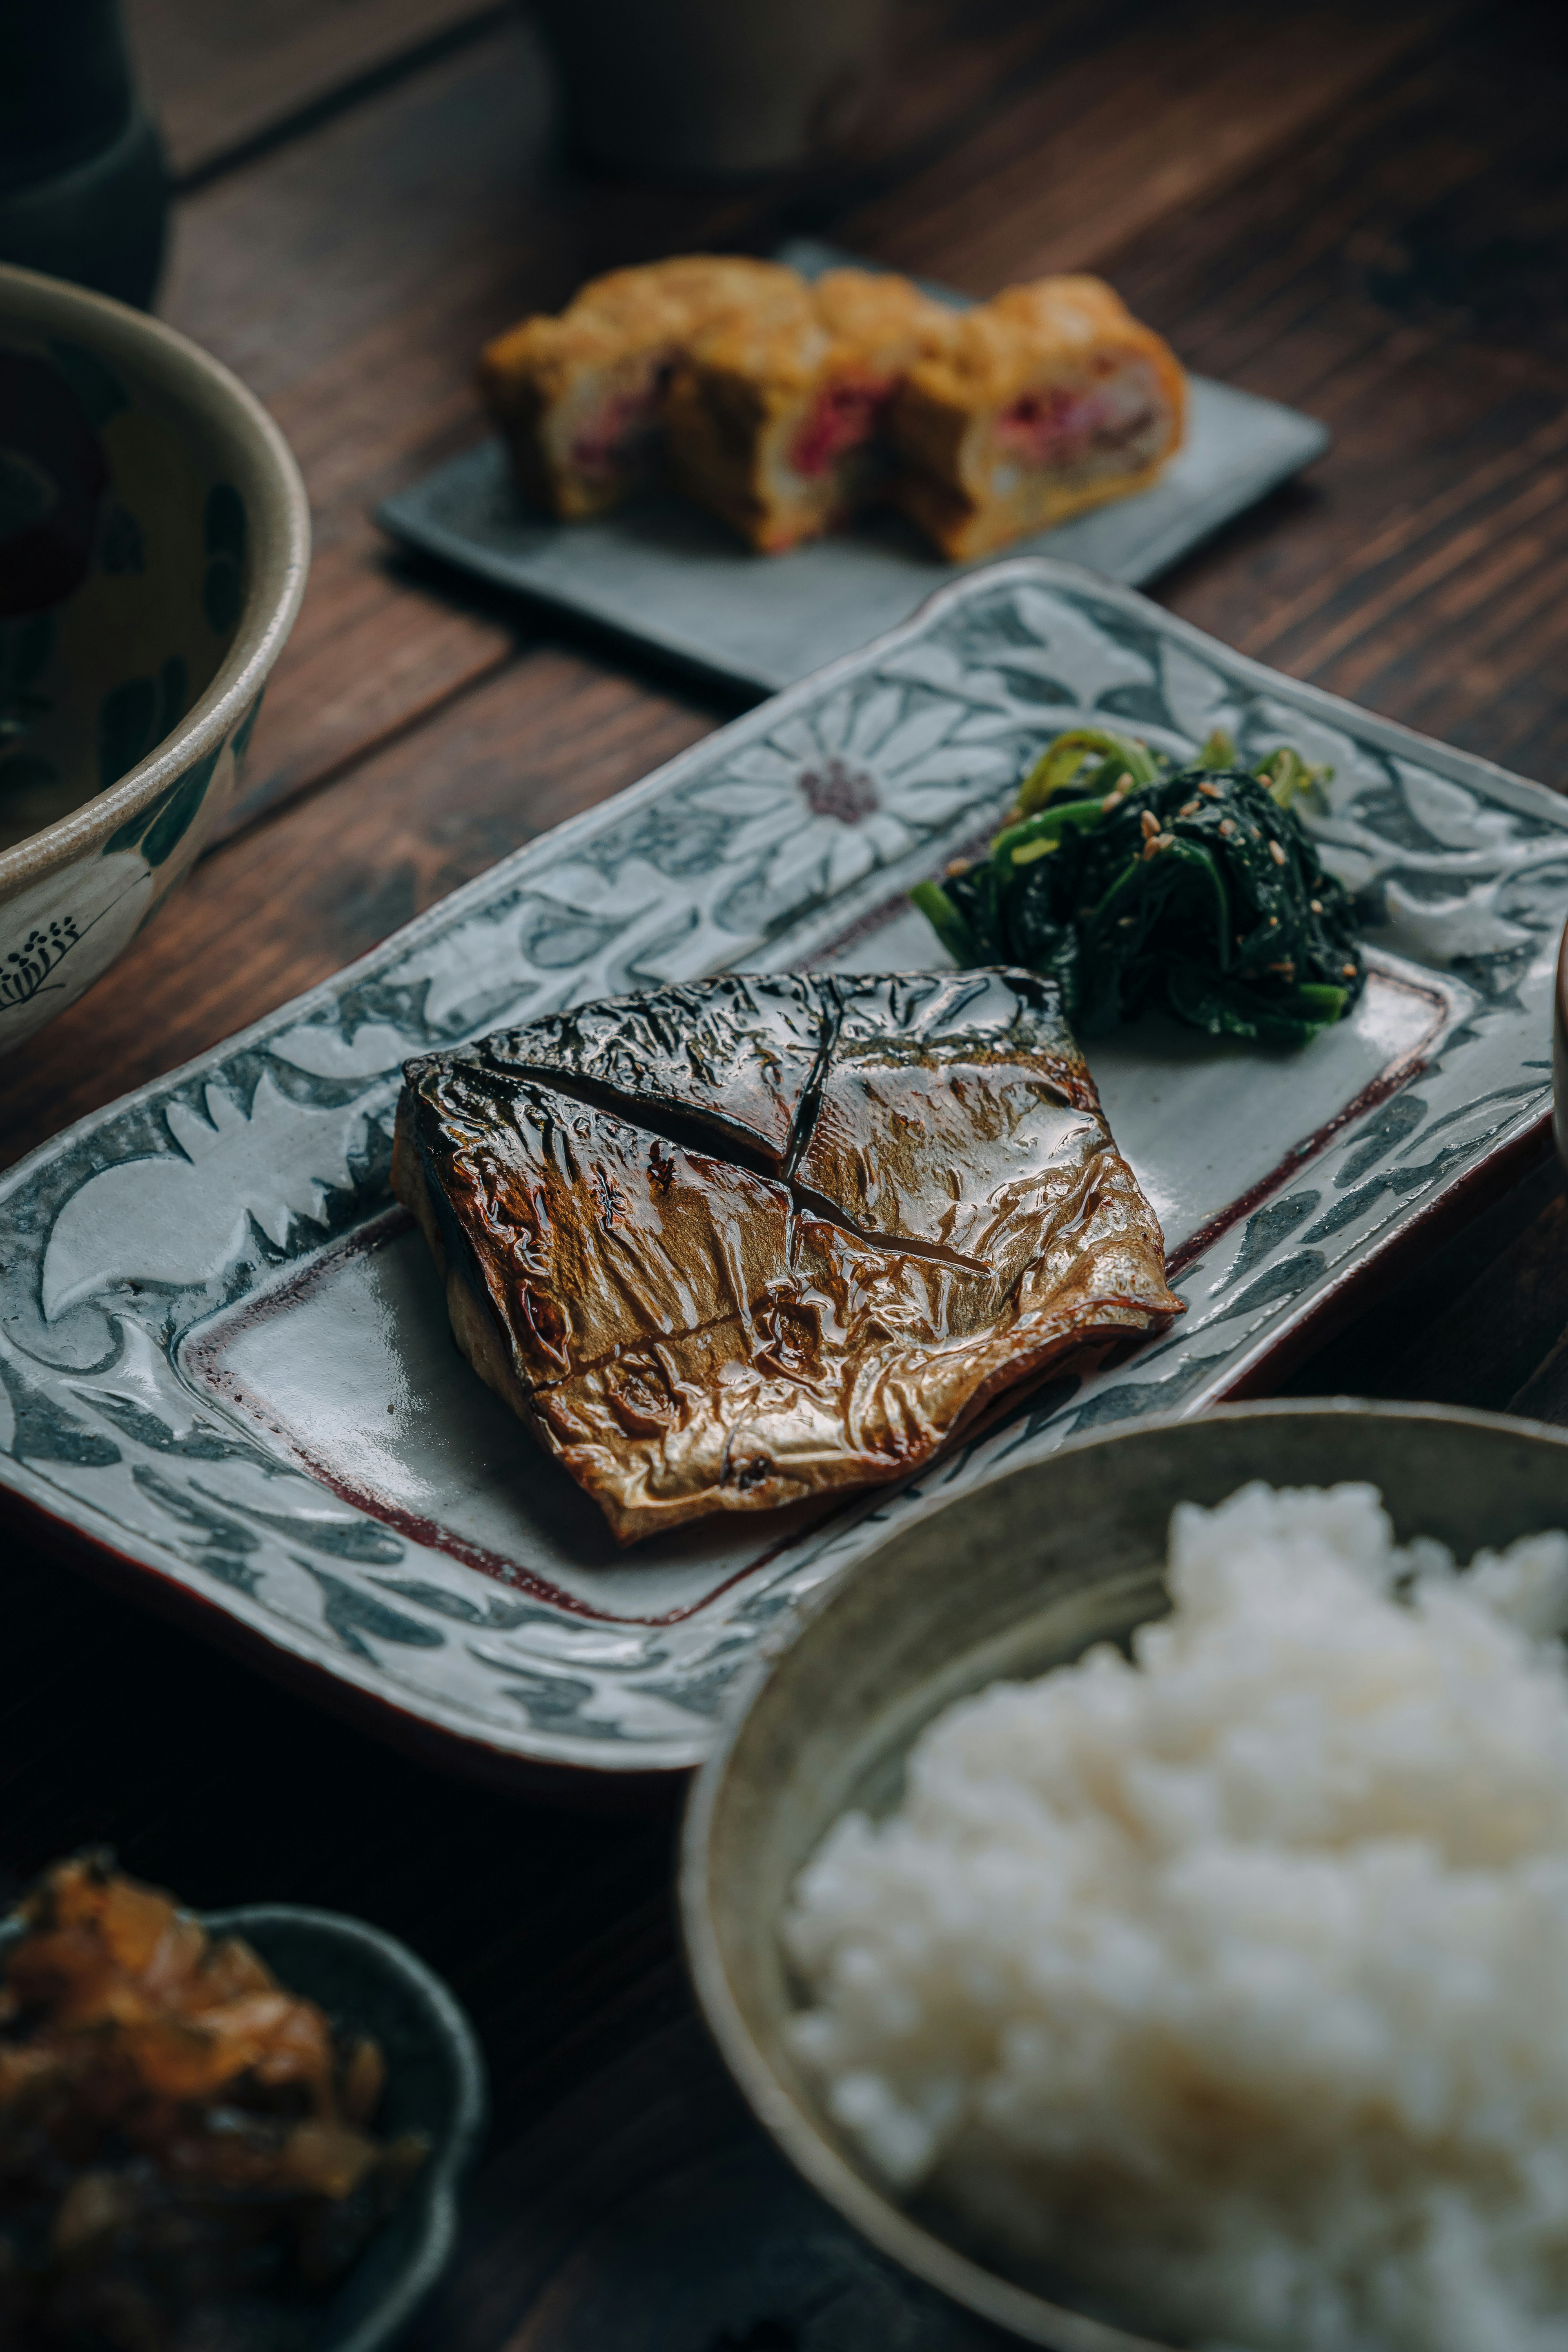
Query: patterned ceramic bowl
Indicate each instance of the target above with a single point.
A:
(153, 541)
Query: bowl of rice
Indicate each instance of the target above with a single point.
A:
(1136, 1896)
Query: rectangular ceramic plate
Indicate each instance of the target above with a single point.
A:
(223, 1353)
(668, 575)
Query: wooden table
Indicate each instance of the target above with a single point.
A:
(1359, 211)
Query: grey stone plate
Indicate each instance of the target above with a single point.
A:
(671, 576)
(225, 1366)
(369, 1983)
(1022, 1575)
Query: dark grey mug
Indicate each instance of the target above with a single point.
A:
(712, 89)
(82, 192)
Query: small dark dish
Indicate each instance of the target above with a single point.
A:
(371, 1985)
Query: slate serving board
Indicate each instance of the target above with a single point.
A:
(674, 578)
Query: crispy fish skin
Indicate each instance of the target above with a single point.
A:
(736, 1053)
(944, 1216)
(943, 1095)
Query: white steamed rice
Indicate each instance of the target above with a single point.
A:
(1235, 1979)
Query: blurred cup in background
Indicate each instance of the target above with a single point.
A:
(82, 191)
(712, 89)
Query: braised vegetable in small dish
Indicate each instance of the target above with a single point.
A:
(1132, 881)
(179, 2133)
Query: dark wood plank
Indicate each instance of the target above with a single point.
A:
(352, 279)
(1186, 103)
(558, 2247)
(219, 76)
(327, 276)
(223, 78)
(1372, 277)
(1476, 1324)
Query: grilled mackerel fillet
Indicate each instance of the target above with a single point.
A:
(727, 1245)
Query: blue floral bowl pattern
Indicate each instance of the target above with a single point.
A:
(153, 542)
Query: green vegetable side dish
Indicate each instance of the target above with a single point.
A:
(1134, 882)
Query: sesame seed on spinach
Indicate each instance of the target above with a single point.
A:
(1134, 882)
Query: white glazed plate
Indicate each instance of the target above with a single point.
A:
(224, 1354)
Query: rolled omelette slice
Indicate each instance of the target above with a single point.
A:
(1046, 400)
(580, 398)
(777, 423)
(726, 1245)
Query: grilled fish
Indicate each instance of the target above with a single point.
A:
(727, 1245)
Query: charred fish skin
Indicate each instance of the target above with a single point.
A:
(942, 1094)
(946, 1216)
(735, 1054)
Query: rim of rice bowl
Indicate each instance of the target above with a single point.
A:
(783, 2095)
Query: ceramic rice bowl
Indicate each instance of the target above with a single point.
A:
(154, 537)
(1015, 1577)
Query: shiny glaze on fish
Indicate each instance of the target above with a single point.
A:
(737, 1053)
(728, 1245)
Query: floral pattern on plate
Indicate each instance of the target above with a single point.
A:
(223, 1354)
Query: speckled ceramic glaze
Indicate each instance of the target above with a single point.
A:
(1021, 1574)
(153, 542)
(369, 1983)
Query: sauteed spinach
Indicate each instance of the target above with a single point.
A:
(1131, 881)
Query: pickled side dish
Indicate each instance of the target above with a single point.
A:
(180, 2135)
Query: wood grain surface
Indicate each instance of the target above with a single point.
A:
(222, 80)
(1364, 213)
